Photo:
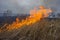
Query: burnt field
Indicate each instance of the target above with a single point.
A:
(46, 29)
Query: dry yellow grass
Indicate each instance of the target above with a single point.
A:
(46, 29)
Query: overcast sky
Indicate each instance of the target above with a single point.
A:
(23, 6)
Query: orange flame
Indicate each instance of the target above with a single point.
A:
(35, 15)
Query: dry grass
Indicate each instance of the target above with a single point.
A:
(45, 29)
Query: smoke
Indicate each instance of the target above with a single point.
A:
(55, 4)
(24, 6)
(19, 6)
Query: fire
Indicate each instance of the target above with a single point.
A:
(35, 15)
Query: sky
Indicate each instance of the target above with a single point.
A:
(24, 6)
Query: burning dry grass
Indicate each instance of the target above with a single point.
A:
(35, 15)
(34, 27)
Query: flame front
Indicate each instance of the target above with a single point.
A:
(35, 15)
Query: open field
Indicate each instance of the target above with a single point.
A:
(46, 29)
